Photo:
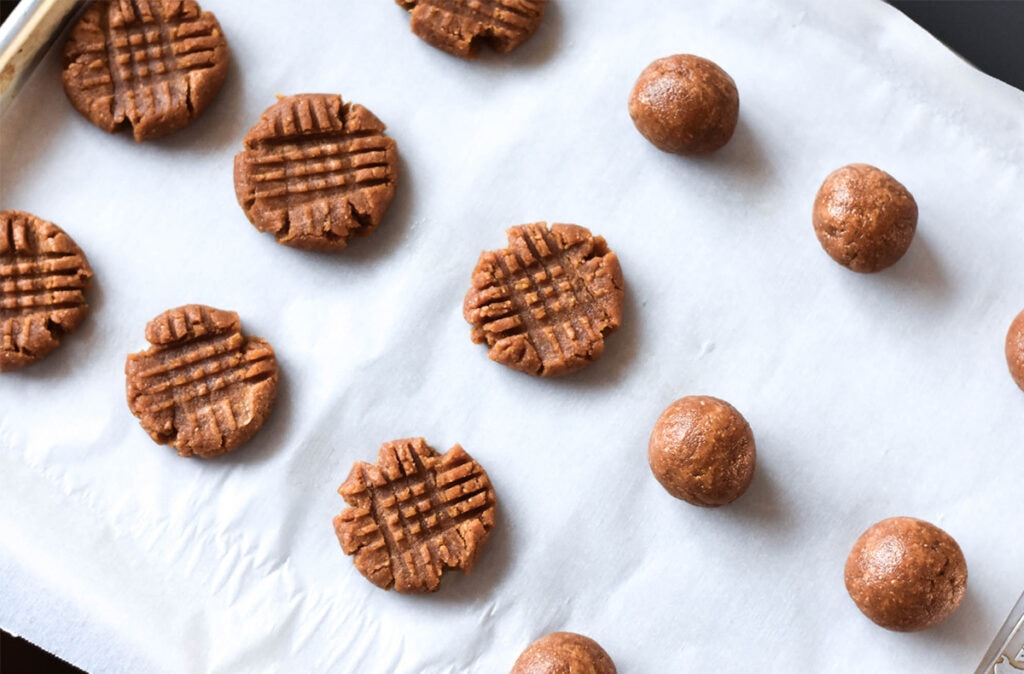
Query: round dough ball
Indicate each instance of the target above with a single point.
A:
(564, 653)
(685, 104)
(864, 218)
(906, 574)
(702, 451)
(1015, 349)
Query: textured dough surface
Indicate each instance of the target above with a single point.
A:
(414, 514)
(43, 277)
(685, 104)
(564, 653)
(202, 387)
(906, 574)
(460, 26)
(1015, 349)
(702, 451)
(864, 218)
(546, 302)
(316, 171)
(154, 65)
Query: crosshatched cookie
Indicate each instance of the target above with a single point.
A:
(564, 653)
(202, 387)
(152, 64)
(544, 304)
(316, 171)
(1015, 349)
(43, 276)
(414, 514)
(460, 26)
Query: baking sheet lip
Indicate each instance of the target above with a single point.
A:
(18, 31)
(1013, 626)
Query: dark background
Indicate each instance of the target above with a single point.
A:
(987, 33)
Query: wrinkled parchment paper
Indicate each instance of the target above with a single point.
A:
(869, 396)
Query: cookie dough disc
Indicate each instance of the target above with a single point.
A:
(415, 513)
(564, 653)
(43, 277)
(545, 304)
(685, 104)
(316, 171)
(202, 387)
(460, 26)
(702, 451)
(1015, 349)
(152, 64)
(864, 218)
(906, 574)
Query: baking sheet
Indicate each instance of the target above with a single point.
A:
(869, 396)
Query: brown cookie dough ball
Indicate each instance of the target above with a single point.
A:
(906, 574)
(564, 653)
(1015, 349)
(685, 104)
(864, 218)
(702, 451)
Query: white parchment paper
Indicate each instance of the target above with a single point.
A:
(869, 396)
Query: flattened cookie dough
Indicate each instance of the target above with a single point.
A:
(202, 387)
(906, 574)
(43, 277)
(460, 26)
(154, 65)
(1015, 349)
(414, 514)
(316, 171)
(702, 451)
(685, 104)
(864, 218)
(564, 653)
(545, 304)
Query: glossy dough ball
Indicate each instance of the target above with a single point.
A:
(864, 218)
(906, 574)
(1015, 349)
(702, 451)
(564, 653)
(685, 104)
